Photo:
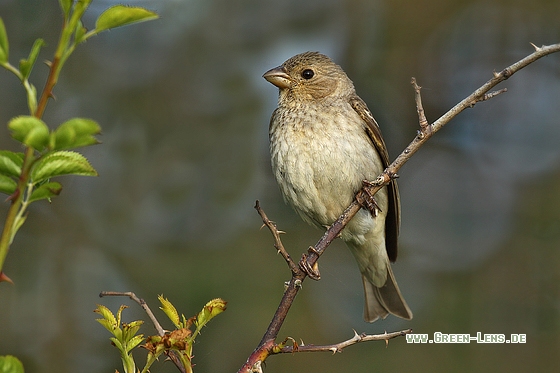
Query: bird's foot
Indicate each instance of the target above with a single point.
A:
(311, 271)
(366, 199)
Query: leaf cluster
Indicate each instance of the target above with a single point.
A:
(179, 341)
(26, 176)
(52, 156)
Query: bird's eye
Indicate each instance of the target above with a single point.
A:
(307, 74)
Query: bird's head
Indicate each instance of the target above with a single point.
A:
(310, 76)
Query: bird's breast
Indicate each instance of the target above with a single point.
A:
(319, 158)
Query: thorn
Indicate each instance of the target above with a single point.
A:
(536, 48)
(495, 74)
(13, 196)
(334, 350)
(386, 341)
(4, 277)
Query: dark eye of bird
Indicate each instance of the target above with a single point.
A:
(307, 74)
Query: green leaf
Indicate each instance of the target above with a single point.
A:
(10, 364)
(118, 344)
(74, 133)
(10, 163)
(80, 33)
(135, 341)
(65, 5)
(4, 45)
(130, 329)
(29, 130)
(61, 163)
(106, 324)
(46, 191)
(119, 313)
(170, 311)
(209, 311)
(121, 15)
(18, 223)
(7, 186)
(31, 97)
(108, 321)
(25, 66)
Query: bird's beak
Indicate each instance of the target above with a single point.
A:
(278, 77)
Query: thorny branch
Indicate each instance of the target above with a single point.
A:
(267, 346)
(277, 241)
(338, 347)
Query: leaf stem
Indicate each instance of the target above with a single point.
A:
(64, 49)
(17, 198)
(17, 208)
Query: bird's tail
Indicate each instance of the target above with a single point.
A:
(385, 300)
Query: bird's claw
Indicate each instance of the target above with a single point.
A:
(312, 272)
(367, 200)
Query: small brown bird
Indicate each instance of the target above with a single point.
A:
(324, 142)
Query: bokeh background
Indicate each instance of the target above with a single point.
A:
(185, 114)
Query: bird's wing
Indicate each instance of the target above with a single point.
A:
(393, 220)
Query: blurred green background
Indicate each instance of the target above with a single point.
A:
(185, 114)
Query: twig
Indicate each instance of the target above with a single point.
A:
(141, 302)
(426, 131)
(490, 95)
(424, 125)
(338, 347)
(161, 332)
(276, 234)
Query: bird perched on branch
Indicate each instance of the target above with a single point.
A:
(324, 143)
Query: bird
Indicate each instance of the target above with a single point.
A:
(324, 143)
